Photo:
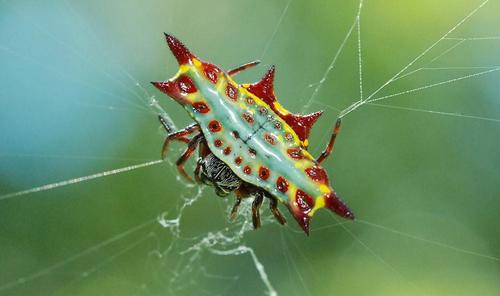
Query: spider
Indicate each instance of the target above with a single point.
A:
(247, 142)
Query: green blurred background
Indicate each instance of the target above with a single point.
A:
(424, 186)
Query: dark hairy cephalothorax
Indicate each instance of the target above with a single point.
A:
(218, 174)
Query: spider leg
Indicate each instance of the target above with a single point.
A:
(193, 144)
(257, 202)
(234, 210)
(197, 170)
(178, 136)
(243, 67)
(165, 124)
(329, 148)
(203, 151)
(273, 205)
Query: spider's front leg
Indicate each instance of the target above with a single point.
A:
(193, 144)
(329, 148)
(203, 151)
(179, 135)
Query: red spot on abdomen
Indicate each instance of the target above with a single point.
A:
(232, 92)
(304, 200)
(218, 143)
(248, 117)
(270, 138)
(295, 153)
(227, 150)
(214, 126)
(247, 170)
(282, 184)
(185, 84)
(211, 72)
(317, 174)
(201, 107)
(264, 173)
(238, 160)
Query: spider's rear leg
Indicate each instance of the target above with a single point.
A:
(329, 148)
(243, 67)
(193, 144)
(257, 202)
(273, 205)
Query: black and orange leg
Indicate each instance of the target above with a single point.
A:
(178, 136)
(273, 205)
(197, 170)
(329, 148)
(234, 210)
(193, 144)
(166, 125)
(203, 151)
(243, 67)
(257, 202)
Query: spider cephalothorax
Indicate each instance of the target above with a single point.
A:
(248, 143)
(218, 174)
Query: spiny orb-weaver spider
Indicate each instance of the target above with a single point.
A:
(248, 143)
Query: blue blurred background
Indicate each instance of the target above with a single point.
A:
(420, 169)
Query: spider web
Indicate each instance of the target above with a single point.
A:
(181, 243)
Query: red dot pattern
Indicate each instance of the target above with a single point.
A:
(211, 72)
(214, 126)
(304, 200)
(248, 117)
(232, 92)
(317, 174)
(295, 153)
(264, 173)
(201, 107)
(282, 184)
(247, 170)
(218, 143)
(186, 85)
(271, 139)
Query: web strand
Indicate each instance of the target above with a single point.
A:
(417, 89)
(78, 180)
(377, 256)
(275, 31)
(460, 115)
(432, 242)
(358, 104)
(77, 256)
(331, 66)
(360, 59)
